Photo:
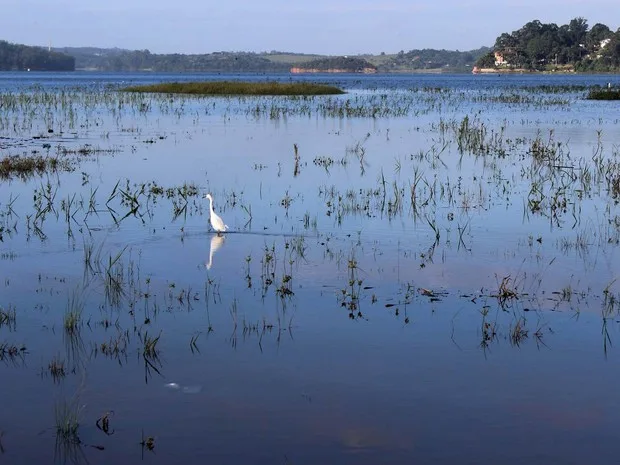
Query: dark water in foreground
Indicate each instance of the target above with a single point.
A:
(395, 294)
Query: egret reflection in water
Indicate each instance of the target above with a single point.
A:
(217, 241)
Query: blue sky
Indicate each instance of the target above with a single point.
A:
(320, 26)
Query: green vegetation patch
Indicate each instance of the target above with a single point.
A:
(604, 94)
(16, 57)
(26, 166)
(238, 88)
(349, 64)
(549, 47)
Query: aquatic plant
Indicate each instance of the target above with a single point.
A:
(67, 416)
(26, 166)
(73, 312)
(56, 369)
(8, 317)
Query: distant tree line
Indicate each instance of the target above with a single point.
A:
(449, 60)
(144, 60)
(98, 59)
(349, 64)
(15, 57)
(540, 46)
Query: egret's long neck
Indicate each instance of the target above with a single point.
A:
(211, 205)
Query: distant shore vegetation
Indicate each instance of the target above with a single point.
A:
(238, 88)
(426, 60)
(343, 64)
(16, 57)
(537, 47)
(548, 47)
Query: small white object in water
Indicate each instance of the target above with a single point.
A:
(172, 386)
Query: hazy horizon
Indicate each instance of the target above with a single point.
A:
(347, 28)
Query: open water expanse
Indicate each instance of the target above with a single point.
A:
(422, 270)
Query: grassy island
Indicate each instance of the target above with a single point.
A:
(604, 94)
(238, 88)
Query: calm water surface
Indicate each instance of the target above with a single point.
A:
(421, 270)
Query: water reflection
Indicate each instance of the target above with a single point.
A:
(217, 241)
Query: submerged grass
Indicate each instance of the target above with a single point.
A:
(238, 88)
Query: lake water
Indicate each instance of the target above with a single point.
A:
(420, 270)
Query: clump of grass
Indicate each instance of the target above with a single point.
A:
(114, 347)
(604, 94)
(114, 279)
(150, 349)
(73, 313)
(542, 150)
(349, 296)
(238, 88)
(7, 317)
(147, 443)
(518, 333)
(567, 293)
(67, 418)
(56, 369)
(150, 355)
(30, 165)
(11, 352)
(507, 291)
(285, 287)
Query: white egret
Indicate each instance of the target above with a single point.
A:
(216, 222)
